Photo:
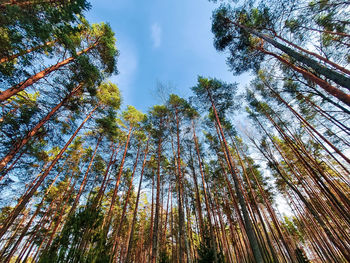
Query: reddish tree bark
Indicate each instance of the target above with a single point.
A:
(24, 201)
(6, 94)
(18, 145)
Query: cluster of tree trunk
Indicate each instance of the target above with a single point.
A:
(84, 181)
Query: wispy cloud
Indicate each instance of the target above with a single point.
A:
(156, 34)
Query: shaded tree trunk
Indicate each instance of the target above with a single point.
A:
(248, 225)
(24, 201)
(128, 254)
(19, 144)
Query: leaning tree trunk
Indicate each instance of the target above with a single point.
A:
(29, 223)
(24, 201)
(83, 183)
(338, 93)
(324, 59)
(303, 120)
(248, 225)
(18, 145)
(109, 215)
(312, 63)
(6, 94)
(128, 254)
(156, 214)
(126, 202)
(310, 208)
(26, 51)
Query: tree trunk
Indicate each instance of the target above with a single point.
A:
(317, 67)
(198, 200)
(126, 201)
(21, 205)
(308, 124)
(248, 225)
(109, 215)
(83, 183)
(316, 55)
(6, 94)
(28, 224)
(18, 145)
(128, 254)
(339, 94)
(156, 214)
(212, 238)
(24, 52)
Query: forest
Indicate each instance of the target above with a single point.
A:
(85, 178)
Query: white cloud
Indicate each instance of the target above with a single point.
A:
(156, 34)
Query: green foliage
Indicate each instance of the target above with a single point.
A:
(84, 234)
(109, 95)
(206, 251)
(33, 24)
(84, 220)
(106, 48)
(238, 42)
(293, 228)
(164, 257)
(158, 116)
(133, 117)
(108, 126)
(221, 93)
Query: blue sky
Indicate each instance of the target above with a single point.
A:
(163, 41)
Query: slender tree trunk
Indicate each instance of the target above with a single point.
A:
(27, 51)
(326, 115)
(198, 200)
(126, 201)
(223, 230)
(312, 63)
(338, 93)
(248, 225)
(149, 250)
(109, 215)
(213, 243)
(163, 240)
(6, 94)
(308, 124)
(40, 223)
(327, 31)
(11, 239)
(104, 181)
(255, 202)
(310, 208)
(83, 183)
(18, 145)
(24, 201)
(316, 55)
(180, 192)
(307, 163)
(28, 224)
(128, 254)
(5, 171)
(64, 204)
(156, 215)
